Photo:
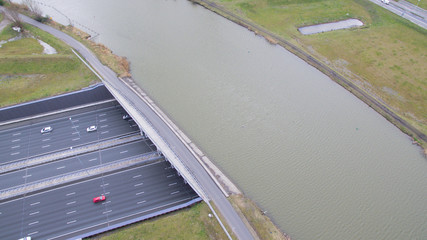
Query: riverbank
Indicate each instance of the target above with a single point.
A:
(359, 86)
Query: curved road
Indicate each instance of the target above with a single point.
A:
(208, 185)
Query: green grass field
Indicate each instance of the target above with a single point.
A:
(420, 3)
(27, 74)
(386, 56)
(191, 223)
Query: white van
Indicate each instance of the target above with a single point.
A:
(385, 1)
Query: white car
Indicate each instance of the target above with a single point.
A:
(385, 1)
(91, 128)
(126, 117)
(46, 129)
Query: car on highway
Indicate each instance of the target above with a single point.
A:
(385, 1)
(99, 199)
(25, 238)
(91, 128)
(46, 129)
(126, 117)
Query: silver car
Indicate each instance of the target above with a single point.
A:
(46, 129)
(91, 128)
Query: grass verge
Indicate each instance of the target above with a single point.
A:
(263, 226)
(419, 3)
(190, 223)
(27, 74)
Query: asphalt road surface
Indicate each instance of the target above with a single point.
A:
(67, 211)
(406, 10)
(68, 165)
(26, 142)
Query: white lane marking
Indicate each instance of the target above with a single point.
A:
(46, 139)
(102, 120)
(104, 132)
(75, 133)
(29, 224)
(69, 194)
(172, 184)
(107, 211)
(72, 222)
(29, 234)
(75, 139)
(103, 185)
(33, 213)
(141, 202)
(170, 175)
(16, 134)
(107, 202)
(101, 115)
(139, 193)
(123, 152)
(75, 126)
(93, 159)
(71, 202)
(134, 125)
(73, 184)
(32, 204)
(16, 140)
(25, 176)
(139, 184)
(103, 126)
(75, 121)
(45, 146)
(17, 146)
(174, 192)
(0, 213)
(137, 176)
(15, 153)
(60, 167)
(71, 212)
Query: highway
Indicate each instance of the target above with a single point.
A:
(64, 212)
(406, 10)
(70, 131)
(80, 162)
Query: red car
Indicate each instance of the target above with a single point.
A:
(99, 199)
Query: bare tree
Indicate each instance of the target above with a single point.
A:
(35, 10)
(13, 16)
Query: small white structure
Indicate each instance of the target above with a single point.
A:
(17, 29)
(326, 27)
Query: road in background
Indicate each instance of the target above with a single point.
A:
(406, 10)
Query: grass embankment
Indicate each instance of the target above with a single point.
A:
(27, 74)
(263, 226)
(189, 223)
(385, 57)
(118, 64)
(421, 3)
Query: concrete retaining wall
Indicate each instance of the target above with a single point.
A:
(96, 93)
